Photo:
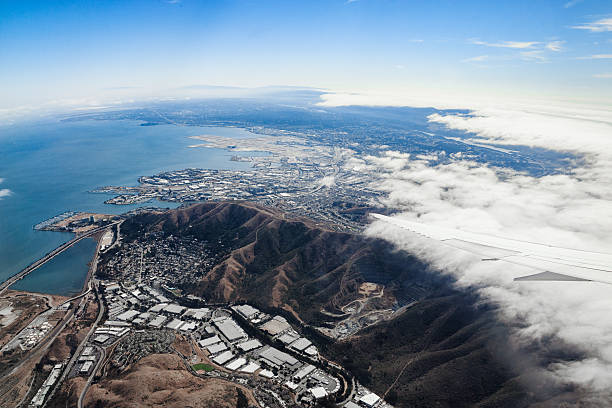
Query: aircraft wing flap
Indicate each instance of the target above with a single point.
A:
(485, 251)
(554, 263)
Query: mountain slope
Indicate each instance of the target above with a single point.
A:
(442, 349)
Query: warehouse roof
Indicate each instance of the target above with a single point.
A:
(236, 364)
(300, 344)
(277, 357)
(128, 315)
(275, 325)
(174, 308)
(224, 357)
(158, 321)
(247, 311)
(216, 348)
(211, 340)
(230, 329)
(249, 345)
(369, 399)
(318, 392)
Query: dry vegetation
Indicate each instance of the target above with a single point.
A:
(162, 380)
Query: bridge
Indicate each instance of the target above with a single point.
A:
(35, 265)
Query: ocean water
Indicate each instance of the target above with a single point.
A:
(51, 166)
(63, 275)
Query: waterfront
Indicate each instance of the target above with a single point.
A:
(51, 167)
(64, 274)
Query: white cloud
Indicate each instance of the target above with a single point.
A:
(572, 3)
(535, 55)
(508, 44)
(571, 209)
(479, 58)
(598, 26)
(572, 130)
(555, 46)
(4, 192)
(606, 75)
(529, 50)
(597, 56)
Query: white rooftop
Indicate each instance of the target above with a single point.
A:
(230, 329)
(311, 351)
(216, 348)
(300, 344)
(304, 371)
(247, 311)
(175, 324)
(174, 308)
(266, 373)
(211, 340)
(223, 357)
(101, 338)
(158, 307)
(188, 326)
(277, 357)
(318, 392)
(250, 368)
(158, 321)
(369, 399)
(249, 345)
(236, 364)
(291, 385)
(197, 314)
(128, 315)
(288, 338)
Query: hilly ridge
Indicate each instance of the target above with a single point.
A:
(446, 349)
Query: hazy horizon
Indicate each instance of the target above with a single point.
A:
(71, 54)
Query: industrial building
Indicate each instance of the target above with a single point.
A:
(236, 364)
(230, 329)
(174, 309)
(249, 345)
(276, 358)
(246, 311)
(369, 400)
(211, 340)
(276, 325)
(223, 357)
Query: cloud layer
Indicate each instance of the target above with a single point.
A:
(597, 26)
(570, 209)
(4, 192)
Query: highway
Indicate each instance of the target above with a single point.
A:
(77, 353)
(83, 343)
(41, 348)
(6, 284)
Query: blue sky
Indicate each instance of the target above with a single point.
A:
(63, 50)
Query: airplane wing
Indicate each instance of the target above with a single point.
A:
(552, 263)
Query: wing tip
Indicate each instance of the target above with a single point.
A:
(551, 277)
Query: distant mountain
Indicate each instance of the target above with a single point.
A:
(445, 349)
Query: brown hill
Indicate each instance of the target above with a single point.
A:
(275, 262)
(161, 380)
(442, 351)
